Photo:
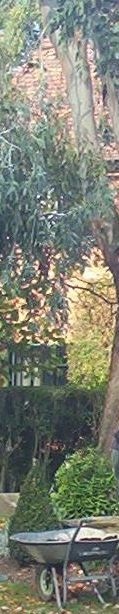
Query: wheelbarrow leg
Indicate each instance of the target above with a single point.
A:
(98, 594)
(113, 585)
(57, 592)
(67, 559)
(112, 578)
(95, 589)
(64, 585)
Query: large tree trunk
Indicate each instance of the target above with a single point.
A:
(113, 105)
(79, 88)
(107, 238)
(78, 80)
(110, 422)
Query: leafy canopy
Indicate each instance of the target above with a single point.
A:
(49, 192)
(97, 20)
(48, 195)
(19, 24)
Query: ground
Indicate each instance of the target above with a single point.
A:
(18, 594)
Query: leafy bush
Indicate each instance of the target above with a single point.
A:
(34, 510)
(85, 485)
(91, 330)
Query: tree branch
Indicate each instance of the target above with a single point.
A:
(89, 283)
(93, 292)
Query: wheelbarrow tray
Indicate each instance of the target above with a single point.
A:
(50, 547)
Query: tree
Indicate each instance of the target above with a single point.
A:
(80, 22)
(63, 215)
(74, 26)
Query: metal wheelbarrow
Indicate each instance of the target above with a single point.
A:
(54, 551)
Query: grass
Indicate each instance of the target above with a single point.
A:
(20, 597)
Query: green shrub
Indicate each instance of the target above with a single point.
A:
(34, 510)
(85, 485)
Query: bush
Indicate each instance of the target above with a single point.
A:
(85, 485)
(34, 510)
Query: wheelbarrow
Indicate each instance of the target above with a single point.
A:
(54, 552)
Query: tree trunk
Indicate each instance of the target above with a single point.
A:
(78, 80)
(107, 236)
(3, 476)
(113, 105)
(36, 442)
(79, 88)
(110, 422)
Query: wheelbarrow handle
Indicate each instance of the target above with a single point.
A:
(84, 521)
(69, 547)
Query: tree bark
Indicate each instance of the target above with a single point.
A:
(78, 80)
(113, 105)
(2, 477)
(110, 422)
(107, 239)
(79, 88)
(36, 442)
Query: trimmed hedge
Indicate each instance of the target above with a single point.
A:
(85, 485)
(34, 511)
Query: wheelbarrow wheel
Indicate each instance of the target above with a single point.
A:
(44, 582)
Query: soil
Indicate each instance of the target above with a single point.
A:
(15, 573)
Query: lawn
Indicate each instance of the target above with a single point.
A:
(20, 597)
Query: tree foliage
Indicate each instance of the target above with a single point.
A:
(16, 41)
(49, 191)
(38, 179)
(46, 210)
(91, 326)
(98, 21)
